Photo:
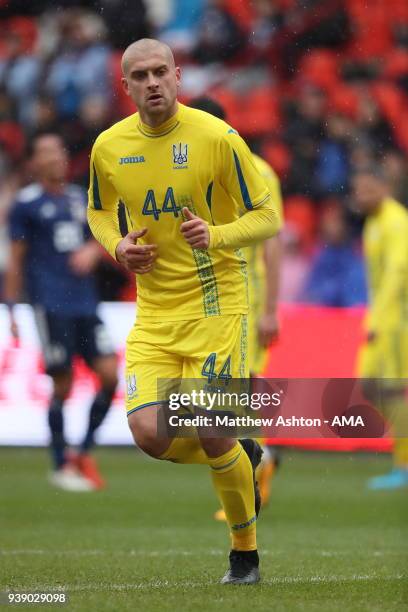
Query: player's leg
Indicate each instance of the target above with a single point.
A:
(257, 357)
(57, 349)
(221, 349)
(106, 370)
(395, 408)
(385, 362)
(94, 345)
(151, 357)
(62, 382)
(267, 469)
(143, 425)
(399, 407)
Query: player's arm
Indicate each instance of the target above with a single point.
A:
(84, 260)
(104, 223)
(19, 231)
(395, 275)
(13, 279)
(242, 180)
(268, 326)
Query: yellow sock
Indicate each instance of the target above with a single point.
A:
(185, 450)
(233, 480)
(264, 474)
(398, 412)
(401, 452)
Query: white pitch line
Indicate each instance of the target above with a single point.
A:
(160, 584)
(98, 552)
(177, 552)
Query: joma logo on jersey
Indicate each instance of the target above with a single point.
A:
(138, 159)
(180, 155)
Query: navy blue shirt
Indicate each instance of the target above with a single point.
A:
(337, 277)
(53, 227)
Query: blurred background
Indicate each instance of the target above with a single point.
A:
(315, 87)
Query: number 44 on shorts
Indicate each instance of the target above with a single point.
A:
(208, 369)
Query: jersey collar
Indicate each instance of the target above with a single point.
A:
(163, 129)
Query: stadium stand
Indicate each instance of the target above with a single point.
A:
(310, 85)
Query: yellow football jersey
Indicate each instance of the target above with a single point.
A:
(254, 255)
(193, 160)
(385, 241)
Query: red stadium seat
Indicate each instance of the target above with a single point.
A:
(371, 27)
(320, 68)
(12, 139)
(241, 10)
(300, 212)
(401, 134)
(260, 112)
(344, 99)
(390, 101)
(124, 104)
(24, 29)
(231, 104)
(396, 64)
(278, 156)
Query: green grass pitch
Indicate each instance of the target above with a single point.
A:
(149, 542)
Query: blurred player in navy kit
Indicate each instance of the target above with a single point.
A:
(53, 254)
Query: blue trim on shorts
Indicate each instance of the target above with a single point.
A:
(146, 405)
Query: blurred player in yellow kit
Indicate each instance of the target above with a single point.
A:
(263, 283)
(182, 176)
(263, 326)
(385, 353)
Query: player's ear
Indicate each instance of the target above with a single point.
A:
(178, 76)
(125, 85)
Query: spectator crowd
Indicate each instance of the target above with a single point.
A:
(316, 88)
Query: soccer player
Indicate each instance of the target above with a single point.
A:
(263, 283)
(385, 353)
(165, 163)
(54, 252)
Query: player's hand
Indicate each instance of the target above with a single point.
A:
(195, 230)
(83, 261)
(14, 328)
(268, 329)
(138, 258)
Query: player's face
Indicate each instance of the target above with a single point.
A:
(50, 159)
(152, 84)
(368, 191)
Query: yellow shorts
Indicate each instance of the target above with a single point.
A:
(257, 354)
(213, 348)
(386, 356)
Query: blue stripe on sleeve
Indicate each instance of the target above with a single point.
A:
(242, 184)
(209, 194)
(95, 191)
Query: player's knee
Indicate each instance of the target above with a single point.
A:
(62, 386)
(109, 383)
(145, 436)
(215, 447)
(106, 369)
